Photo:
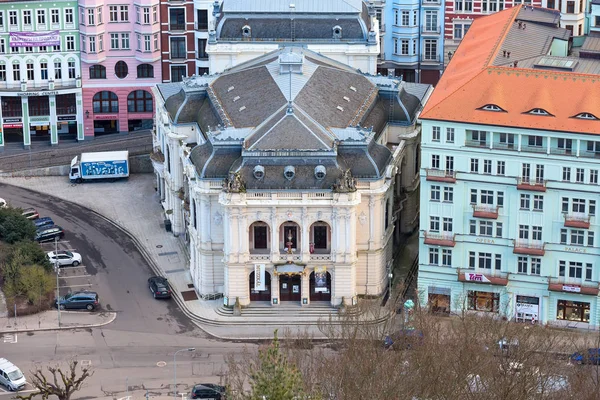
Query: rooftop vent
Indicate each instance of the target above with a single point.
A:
(337, 32)
(246, 31)
(347, 98)
(242, 108)
(353, 88)
(230, 88)
(340, 108)
(556, 63)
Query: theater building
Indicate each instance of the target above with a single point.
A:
(40, 77)
(299, 197)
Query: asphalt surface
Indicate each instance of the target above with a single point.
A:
(113, 266)
(133, 353)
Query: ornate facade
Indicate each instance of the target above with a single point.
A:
(291, 164)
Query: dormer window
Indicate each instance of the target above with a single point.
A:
(289, 172)
(246, 31)
(492, 107)
(539, 111)
(586, 116)
(337, 32)
(320, 172)
(259, 172)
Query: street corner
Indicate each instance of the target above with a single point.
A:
(48, 321)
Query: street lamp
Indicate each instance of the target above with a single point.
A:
(57, 269)
(175, 369)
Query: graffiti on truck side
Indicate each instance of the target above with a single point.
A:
(100, 168)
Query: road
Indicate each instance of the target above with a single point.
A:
(145, 332)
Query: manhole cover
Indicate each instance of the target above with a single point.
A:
(161, 364)
(159, 246)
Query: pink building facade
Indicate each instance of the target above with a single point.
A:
(120, 63)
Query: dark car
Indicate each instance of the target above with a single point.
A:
(30, 213)
(591, 356)
(49, 233)
(44, 221)
(78, 300)
(403, 339)
(208, 391)
(159, 287)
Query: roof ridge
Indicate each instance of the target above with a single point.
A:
(492, 56)
(548, 72)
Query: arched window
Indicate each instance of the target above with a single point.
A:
(121, 69)
(145, 71)
(139, 101)
(105, 102)
(97, 72)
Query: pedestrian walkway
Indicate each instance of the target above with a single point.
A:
(48, 320)
(135, 207)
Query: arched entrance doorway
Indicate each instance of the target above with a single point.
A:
(320, 289)
(290, 287)
(263, 295)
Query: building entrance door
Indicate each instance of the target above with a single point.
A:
(290, 288)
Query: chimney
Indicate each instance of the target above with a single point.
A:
(524, 25)
(520, 24)
(503, 53)
(508, 54)
(515, 64)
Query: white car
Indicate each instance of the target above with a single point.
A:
(3, 203)
(64, 258)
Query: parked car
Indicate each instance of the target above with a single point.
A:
(208, 391)
(11, 376)
(63, 257)
(591, 356)
(159, 287)
(403, 339)
(49, 233)
(3, 203)
(41, 222)
(30, 213)
(78, 300)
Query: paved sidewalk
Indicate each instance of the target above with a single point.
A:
(48, 320)
(135, 207)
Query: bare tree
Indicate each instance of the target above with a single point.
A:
(59, 383)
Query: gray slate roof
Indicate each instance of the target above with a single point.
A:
(278, 29)
(283, 6)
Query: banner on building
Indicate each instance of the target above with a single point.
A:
(259, 277)
(476, 278)
(30, 39)
(321, 279)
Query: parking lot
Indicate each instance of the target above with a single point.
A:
(72, 279)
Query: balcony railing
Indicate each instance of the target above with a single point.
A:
(440, 175)
(505, 146)
(446, 239)
(431, 59)
(536, 185)
(430, 29)
(177, 27)
(485, 211)
(589, 154)
(476, 143)
(577, 221)
(529, 248)
(570, 285)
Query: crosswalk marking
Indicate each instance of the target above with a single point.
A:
(9, 338)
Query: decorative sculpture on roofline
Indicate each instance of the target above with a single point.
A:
(234, 183)
(345, 184)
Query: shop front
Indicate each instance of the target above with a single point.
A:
(438, 299)
(527, 309)
(13, 130)
(67, 127)
(39, 129)
(573, 311)
(106, 124)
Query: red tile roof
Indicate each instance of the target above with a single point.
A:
(471, 81)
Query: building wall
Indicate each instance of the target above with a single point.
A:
(171, 29)
(519, 210)
(26, 86)
(128, 35)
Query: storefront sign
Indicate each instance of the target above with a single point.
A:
(321, 279)
(527, 309)
(259, 277)
(9, 120)
(29, 39)
(571, 288)
(40, 123)
(576, 249)
(483, 240)
(476, 278)
(32, 94)
(8, 126)
(105, 116)
(37, 119)
(66, 117)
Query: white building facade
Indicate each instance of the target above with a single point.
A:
(292, 198)
(343, 30)
(510, 183)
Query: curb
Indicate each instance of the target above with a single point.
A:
(64, 328)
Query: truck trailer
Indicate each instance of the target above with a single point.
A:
(99, 165)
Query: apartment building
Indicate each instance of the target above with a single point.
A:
(40, 77)
(412, 40)
(120, 63)
(509, 176)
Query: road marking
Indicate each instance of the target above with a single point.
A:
(86, 363)
(7, 393)
(74, 276)
(86, 285)
(10, 338)
(161, 364)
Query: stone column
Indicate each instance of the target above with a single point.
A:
(305, 289)
(371, 221)
(305, 240)
(274, 236)
(80, 128)
(335, 235)
(1, 130)
(275, 288)
(26, 134)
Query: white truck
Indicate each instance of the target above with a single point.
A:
(99, 165)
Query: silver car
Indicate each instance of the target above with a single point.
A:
(63, 258)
